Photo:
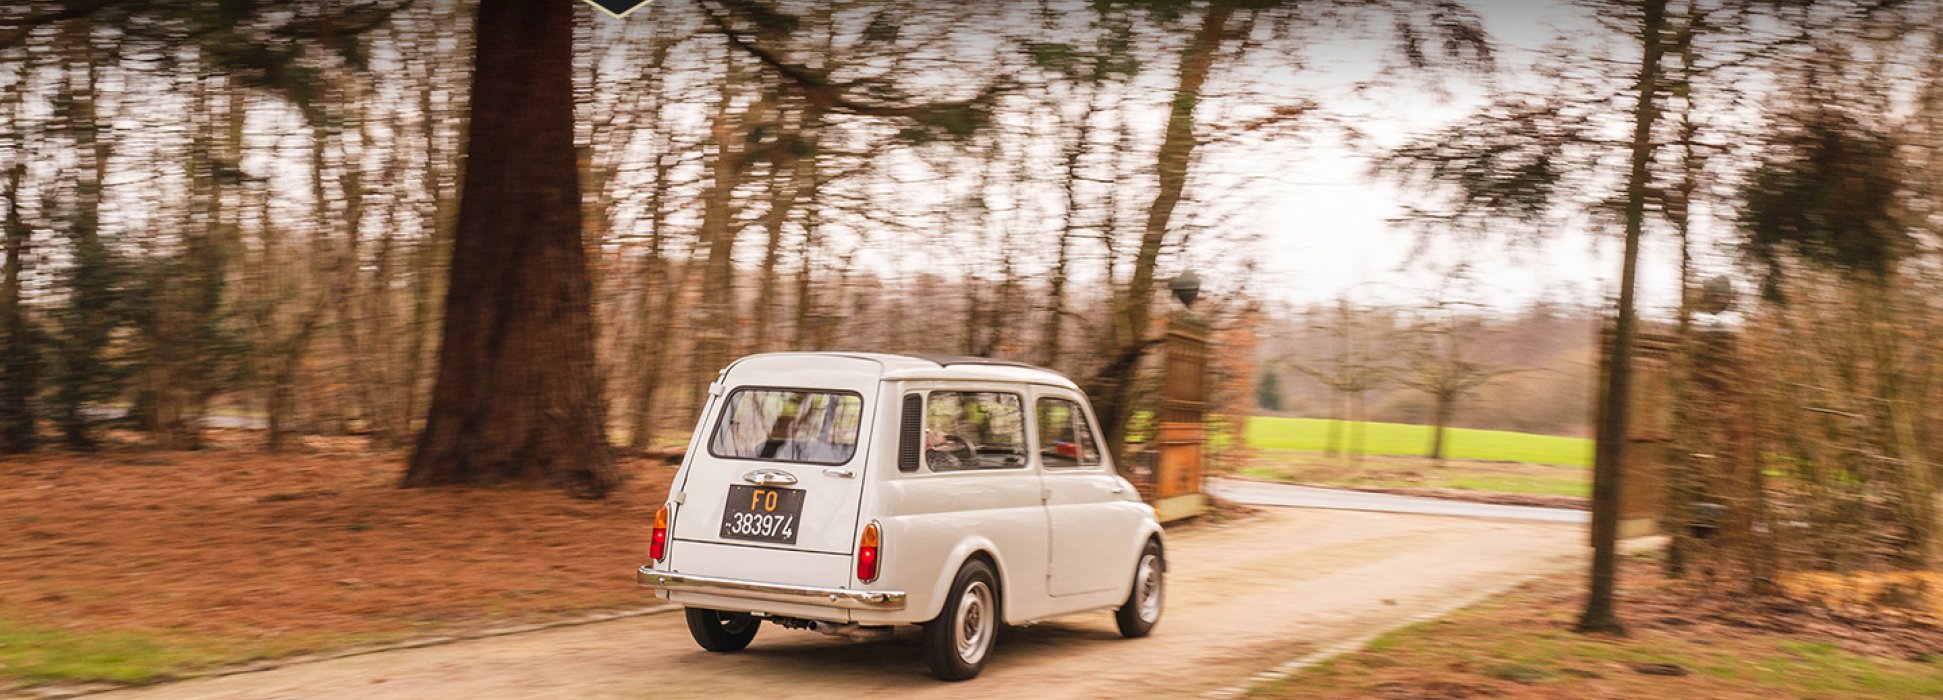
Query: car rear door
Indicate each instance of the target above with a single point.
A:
(776, 471)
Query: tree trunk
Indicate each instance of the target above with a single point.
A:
(1600, 615)
(1683, 481)
(1359, 408)
(357, 362)
(19, 353)
(1051, 334)
(82, 376)
(660, 296)
(1134, 308)
(717, 313)
(185, 337)
(440, 211)
(787, 187)
(1440, 416)
(1332, 445)
(1915, 502)
(801, 332)
(517, 396)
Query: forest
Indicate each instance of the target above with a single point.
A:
(511, 241)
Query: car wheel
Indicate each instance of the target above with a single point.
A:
(957, 643)
(720, 631)
(1138, 615)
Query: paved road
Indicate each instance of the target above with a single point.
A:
(1267, 494)
(1242, 598)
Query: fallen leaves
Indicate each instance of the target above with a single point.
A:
(248, 544)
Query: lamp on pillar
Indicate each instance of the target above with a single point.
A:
(1716, 296)
(1187, 288)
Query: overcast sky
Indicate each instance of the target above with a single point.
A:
(1330, 234)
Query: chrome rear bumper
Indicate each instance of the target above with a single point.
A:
(804, 595)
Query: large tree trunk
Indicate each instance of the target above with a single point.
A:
(1134, 308)
(517, 396)
(1599, 615)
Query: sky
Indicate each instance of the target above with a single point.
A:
(1330, 234)
(1326, 227)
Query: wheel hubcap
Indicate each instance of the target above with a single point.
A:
(972, 628)
(1150, 585)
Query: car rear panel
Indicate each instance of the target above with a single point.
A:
(765, 565)
(827, 530)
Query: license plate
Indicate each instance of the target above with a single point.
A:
(762, 514)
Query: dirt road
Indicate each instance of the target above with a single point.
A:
(1243, 599)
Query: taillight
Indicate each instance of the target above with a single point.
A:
(868, 552)
(658, 544)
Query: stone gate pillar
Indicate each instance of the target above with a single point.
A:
(1181, 432)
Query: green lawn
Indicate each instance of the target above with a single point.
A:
(1312, 434)
(1389, 471)
(35, 654)
(40, 654)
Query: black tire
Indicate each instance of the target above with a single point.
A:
(958, 642)
(720, 631)
(1137, 616)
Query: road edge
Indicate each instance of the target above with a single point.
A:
(1290, 668)
(57, 693)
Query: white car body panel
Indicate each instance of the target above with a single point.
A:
(1062, 540)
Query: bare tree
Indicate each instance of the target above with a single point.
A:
(1436, 361)
(1352, 368)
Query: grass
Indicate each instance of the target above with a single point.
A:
(38, 654)
(1312, 434)
(1416, 472)
(42, 655)
(1519, 646)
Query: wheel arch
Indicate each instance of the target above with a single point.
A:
(1149, 532)
(972, 548)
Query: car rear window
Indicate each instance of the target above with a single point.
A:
(788, 425)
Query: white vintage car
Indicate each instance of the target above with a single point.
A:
(850, 492)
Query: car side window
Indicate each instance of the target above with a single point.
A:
(1065, 438)
(967, 430)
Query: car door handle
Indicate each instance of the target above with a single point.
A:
(839, 473)
(1117, 489)
(769, 477)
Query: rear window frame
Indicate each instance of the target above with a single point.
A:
(723, 412)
